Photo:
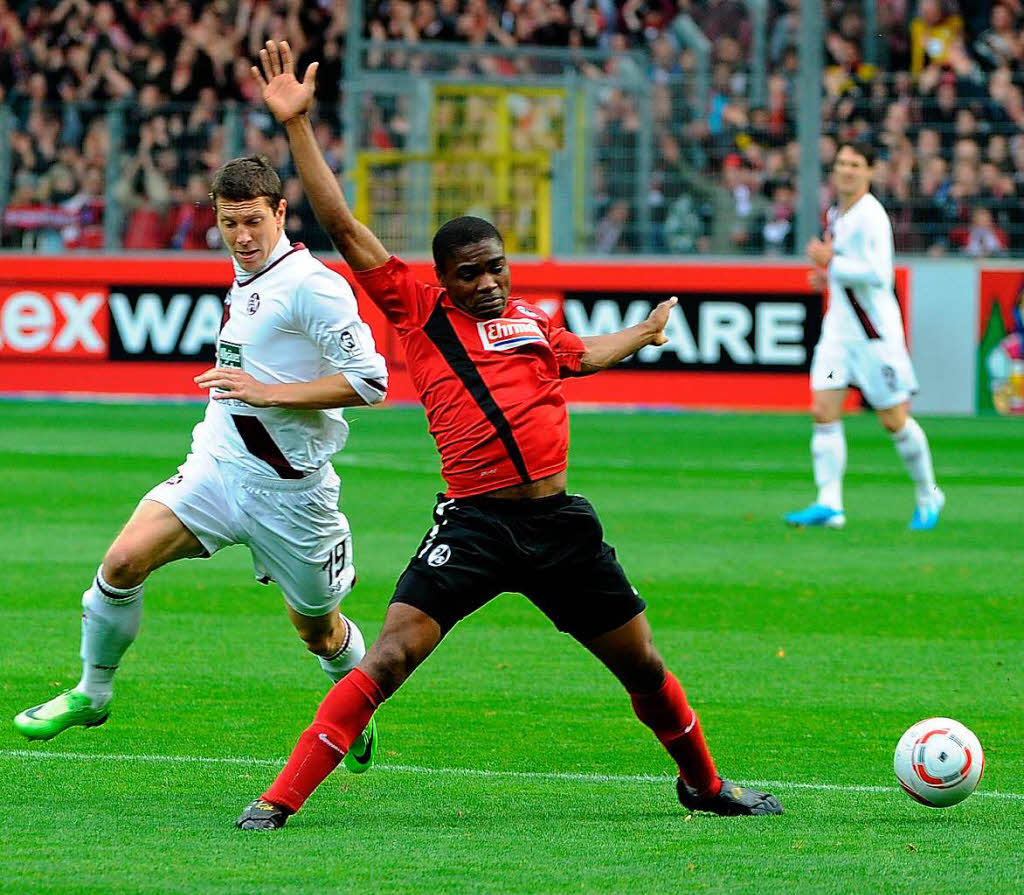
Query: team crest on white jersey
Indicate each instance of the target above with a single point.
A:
(503, 334)
(253, 304)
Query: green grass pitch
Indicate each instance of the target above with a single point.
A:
(511, 761)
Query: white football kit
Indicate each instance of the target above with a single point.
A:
(261, 476)
(862, 340)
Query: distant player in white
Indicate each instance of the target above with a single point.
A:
(861, 344)
(292, 352)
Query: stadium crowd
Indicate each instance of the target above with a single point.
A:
(943, 102)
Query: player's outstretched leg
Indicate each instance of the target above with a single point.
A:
(363, 750)
(110, 622)
(660, 703)
(699, 786)
(828, 453)
(343, 715)
(407, 638)
(339, 647)
(912, 445)
(111, 616)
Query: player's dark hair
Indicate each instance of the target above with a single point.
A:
(245, 178)
(460, 232)
(861, 147)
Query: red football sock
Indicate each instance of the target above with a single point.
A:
(342, 716)
(675, 724)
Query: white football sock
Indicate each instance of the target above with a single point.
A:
(828, 453)
(912, 446)
(111, 618)
(348, 656)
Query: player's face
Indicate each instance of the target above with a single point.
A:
(851, 172)
(250, 229)
(477, 279)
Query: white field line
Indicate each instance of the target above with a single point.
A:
(32, 754)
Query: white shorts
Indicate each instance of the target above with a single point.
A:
(880, 368)
(292, 527)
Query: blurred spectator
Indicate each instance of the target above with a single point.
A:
(1000, 45)
(778, 228)
(684, 228)
(932, 31)
(947, 113)
(610, 233)
(193, 224)
(983, 238)
(85, 227)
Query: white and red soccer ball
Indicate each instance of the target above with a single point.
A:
(938, 762)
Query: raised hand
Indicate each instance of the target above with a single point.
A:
(284, 94)
(658, 318)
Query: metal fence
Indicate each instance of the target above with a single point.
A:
(570, 152)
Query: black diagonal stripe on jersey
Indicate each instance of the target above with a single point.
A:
(862, 315)
(440, 331)
(259, 443)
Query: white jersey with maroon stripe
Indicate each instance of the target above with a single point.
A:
(294, 321)
(862, 340)
(862, 301)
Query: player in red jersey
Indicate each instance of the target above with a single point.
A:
(488, 368)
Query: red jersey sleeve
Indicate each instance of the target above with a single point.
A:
(567, 347)
(405, 301)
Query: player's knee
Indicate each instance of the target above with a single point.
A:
(321, 643)
(124, 567)
(822, 414)
(639, 669)
(892, 422)
(646, 674)
(390, 661)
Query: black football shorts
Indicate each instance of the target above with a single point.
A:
(551, 550)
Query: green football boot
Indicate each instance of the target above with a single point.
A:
(360, 755)
(69, 709)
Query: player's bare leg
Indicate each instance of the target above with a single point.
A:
(111, 615)
(338, 644)
(828, 456)
(660, 703)
(912, 445)
(407, 638)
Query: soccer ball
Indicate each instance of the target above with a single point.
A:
(938, 762)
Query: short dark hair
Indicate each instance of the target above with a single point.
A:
(460, 232)
(861, 147)
(244, 178)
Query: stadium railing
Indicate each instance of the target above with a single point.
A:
(573, 152)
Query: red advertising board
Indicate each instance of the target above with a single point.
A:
(53, 321)
(741, 336)
(1000, 341)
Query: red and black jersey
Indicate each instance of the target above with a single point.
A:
(491, 388)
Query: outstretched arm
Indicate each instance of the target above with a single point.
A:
(320, 394)
(607, 350)
(290, 100)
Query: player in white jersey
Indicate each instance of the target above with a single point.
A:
(861, 344)
(292, 352)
